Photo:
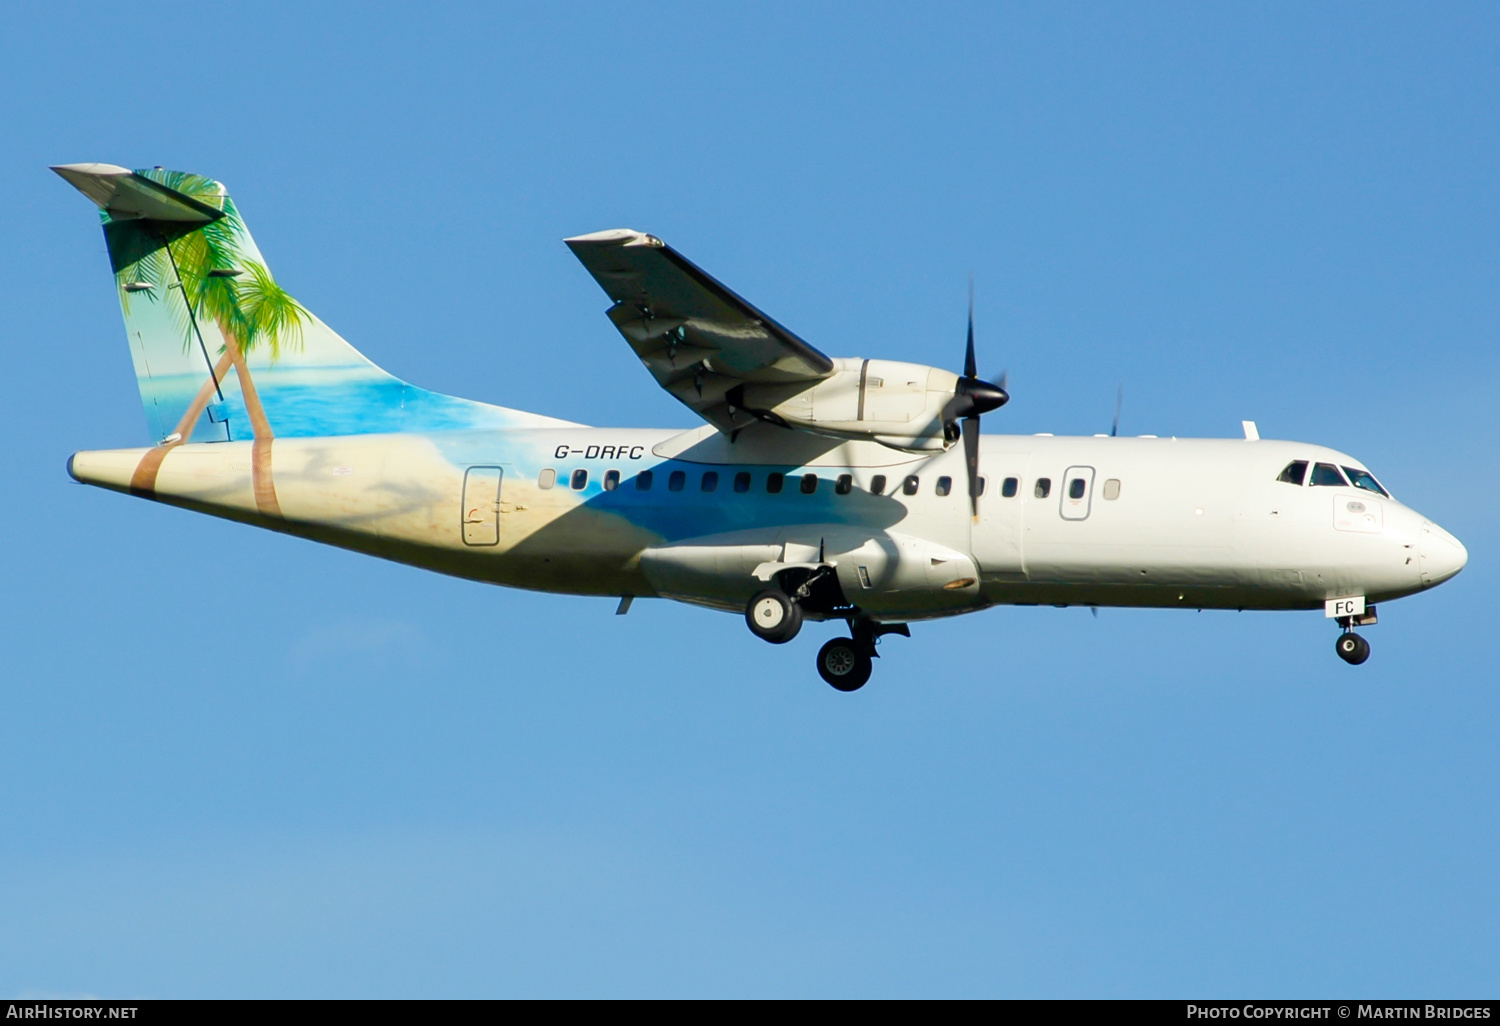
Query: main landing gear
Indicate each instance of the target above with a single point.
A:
(845, 663)
(774, 616)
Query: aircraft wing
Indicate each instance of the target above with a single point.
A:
(698, 339)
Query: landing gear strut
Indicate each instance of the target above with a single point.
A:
(1352, 648)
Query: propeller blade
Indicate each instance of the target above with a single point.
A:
(970, 366)
(971, 461)
(1119, 398)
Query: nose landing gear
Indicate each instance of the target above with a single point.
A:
(1352, 648)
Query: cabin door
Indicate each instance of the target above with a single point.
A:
(481, 507)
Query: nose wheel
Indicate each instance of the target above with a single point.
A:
(1352, 648)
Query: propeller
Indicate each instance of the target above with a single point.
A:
(1119, 398)
(972, 398)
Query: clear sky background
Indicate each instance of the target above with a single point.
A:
(233, 763)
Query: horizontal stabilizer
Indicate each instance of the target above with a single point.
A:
(126, 196)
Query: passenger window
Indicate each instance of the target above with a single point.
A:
(809, 483)
(547, 478)
(1294, 472)
(710, 480)
(877, 484)
(742, 482)
(910, 485)
(580, 480)
(1112, 489)
(774, 482)
(643, 481)
(1363, 479)
(1328, 476)
(1076, 488)
(1010, 487)
(676, 480)
(979, 486)
(844, 483)
(944, 485)
(611, 480)
(1043, 487)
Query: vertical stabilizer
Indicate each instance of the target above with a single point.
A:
(221, 351)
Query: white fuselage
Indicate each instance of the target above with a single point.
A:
(1200, 523)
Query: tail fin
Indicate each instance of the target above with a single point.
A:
(221, 351)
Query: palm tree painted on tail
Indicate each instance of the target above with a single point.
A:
(215, 280)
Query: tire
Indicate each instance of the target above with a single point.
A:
(843, 665)
(1352, 648)
(772, 616)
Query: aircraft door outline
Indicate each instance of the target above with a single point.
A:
(1077, 493)
(480, 513)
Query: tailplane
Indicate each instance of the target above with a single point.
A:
(221, 351)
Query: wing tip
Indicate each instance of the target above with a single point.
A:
(615, 236)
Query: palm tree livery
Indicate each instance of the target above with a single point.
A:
(206, 275)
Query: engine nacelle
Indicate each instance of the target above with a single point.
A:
(897, 404)
(886, 574)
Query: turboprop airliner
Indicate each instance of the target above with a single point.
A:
(817, 489)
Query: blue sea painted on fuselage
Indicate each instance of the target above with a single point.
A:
(333, 401)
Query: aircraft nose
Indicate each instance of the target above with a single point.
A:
(1440, 556)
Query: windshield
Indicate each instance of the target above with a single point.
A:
(1327, 475)
(1364, 479)
(1294, 472)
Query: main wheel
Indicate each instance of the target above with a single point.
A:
(1352, 649)
(773, 616)
(842, 664)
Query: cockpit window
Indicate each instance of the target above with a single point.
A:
(1294, 473)
(1326, 474)
(1364, 479)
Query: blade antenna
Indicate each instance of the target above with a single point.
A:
(1119, 398)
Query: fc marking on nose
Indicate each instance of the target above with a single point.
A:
(1344, 607)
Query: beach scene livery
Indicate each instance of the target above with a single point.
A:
(815, 488)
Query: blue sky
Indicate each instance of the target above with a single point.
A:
(241, 764)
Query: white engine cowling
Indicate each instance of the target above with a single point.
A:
(897, 404)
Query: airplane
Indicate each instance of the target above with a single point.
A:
(817, 489)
